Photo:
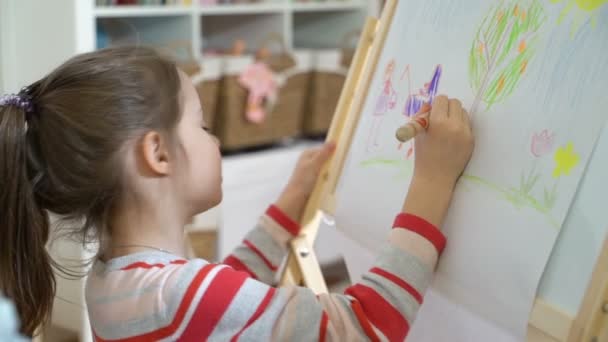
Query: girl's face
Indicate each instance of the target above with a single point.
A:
(199, 170)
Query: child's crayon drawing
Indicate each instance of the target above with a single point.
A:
(582, 11)
(385, 102)
(502, 49)
(499, 57)
(414, 101)
(426, 94)
(529, 193)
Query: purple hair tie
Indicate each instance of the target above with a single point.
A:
(18, 100)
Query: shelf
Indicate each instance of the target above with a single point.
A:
(327, 6)
(141, 11)
(259, 8)
(242, 9)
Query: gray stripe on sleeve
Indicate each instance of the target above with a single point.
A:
(405, 266)
(254, 263)
(308, 316)
(261, 329)
(266, 244)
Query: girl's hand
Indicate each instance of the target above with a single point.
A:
(442, 153)
(445, 149)
(301, 184)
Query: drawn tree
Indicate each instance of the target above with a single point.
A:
(502, 48)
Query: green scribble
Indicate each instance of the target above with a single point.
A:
(502, 49)
(527, 182)
(550, 196)
(381, 161)
(520, 198)
(515, 197)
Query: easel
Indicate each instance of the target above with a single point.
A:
(546, 322)
(302, 267)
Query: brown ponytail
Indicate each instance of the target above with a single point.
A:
(67, 159)
(27, 275)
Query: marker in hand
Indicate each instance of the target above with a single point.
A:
(419, 123)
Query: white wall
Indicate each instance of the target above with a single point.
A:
(3, 30)
(36, 36)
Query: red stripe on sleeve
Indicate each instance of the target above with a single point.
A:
(283, 220)
(399, 282)
(141, 265)
(238, 265)
(213, 304)
(323, 328)
(168, 330)
(259, 253)
(381, 313)
(258, 312)
(423, 228)
(362, 318)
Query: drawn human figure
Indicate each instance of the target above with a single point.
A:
(385, 102)
(414, 101)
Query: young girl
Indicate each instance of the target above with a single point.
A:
(115, 141)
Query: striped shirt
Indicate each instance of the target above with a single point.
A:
(155, 296)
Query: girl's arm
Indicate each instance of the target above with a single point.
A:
(164, 298)
(264, 248)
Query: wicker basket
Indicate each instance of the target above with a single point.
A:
(283, 119)
(330, 70)
(205, 74)
(231, 127)
(294, 82)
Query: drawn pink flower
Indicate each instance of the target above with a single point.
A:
(542, 143)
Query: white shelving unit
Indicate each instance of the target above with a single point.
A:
(302, 25)
(141, 11)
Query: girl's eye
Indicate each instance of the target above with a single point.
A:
(206, 129)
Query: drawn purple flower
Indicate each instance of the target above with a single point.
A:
(542, 143)
(426, 94)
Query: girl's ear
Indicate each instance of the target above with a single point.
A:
(154, 151)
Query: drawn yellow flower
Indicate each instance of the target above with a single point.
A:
(565, 160)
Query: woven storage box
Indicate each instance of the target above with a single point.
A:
(294, 74)
(283, 118)
(330, 69)
(231, 127)
(205, 74)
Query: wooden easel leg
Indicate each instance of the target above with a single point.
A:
(302, 267)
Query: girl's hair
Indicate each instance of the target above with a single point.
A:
(64, 156)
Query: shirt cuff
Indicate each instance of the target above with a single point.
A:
(423, 228)
(283, 220)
